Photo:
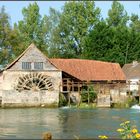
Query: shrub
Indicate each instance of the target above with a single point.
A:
(131, 101)
(62, 100)
(92, 94)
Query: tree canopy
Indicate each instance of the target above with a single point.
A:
(78, 31)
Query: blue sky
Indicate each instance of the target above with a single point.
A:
(14, 8)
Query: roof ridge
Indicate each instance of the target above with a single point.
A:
(84, 59)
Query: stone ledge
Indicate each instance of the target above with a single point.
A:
(20, 105)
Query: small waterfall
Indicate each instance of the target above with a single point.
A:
(135, 107)
(64, 107)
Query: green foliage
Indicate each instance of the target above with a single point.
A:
(135, 24)
(131, 101)
(62, 100)
(32, 29)
(6, 37)
(117, 15)
(76, 32)
(127, 104)
(112, 40)
(120, 105)
(99, 42)
(92, 94)
(53, 38)
(76, 21)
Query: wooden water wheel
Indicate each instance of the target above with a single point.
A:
(35, 82)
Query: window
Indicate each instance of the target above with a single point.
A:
(26, 65)
(38, 65)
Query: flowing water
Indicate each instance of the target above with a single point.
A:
(64, 123)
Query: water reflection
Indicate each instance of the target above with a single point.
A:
(63, 123)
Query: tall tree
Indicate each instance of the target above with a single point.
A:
(109, 40)
(53, 21)
(135, 23)
(5, 37)
(33, 28)
(76, 21)
(99, 41)
(134, 51)
(117, 20)
(120, 45)
(117, 15)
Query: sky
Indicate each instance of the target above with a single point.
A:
(14, 8)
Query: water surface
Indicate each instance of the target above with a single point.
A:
(64, 123)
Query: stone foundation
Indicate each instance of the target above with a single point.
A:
(12, 98)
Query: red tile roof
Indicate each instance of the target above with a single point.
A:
(90, 69)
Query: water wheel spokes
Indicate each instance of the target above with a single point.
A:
(34, 81)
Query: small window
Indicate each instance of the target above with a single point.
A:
(26, 65)
(38, 65)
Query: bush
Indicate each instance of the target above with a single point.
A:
(62, 100)
(131, 101)
(92, 94)
(128, 103)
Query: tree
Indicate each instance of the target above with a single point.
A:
(117, 15)
(99, 41)
(53, 21)
(121, 45)
(33, 28)
(135, 23)
(5, 37)
(110, 38)
(76, 21)
(118, 19)
(88, 92)
(133, 50)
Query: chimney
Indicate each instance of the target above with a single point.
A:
(134, 63)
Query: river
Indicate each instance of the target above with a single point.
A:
(31, 123)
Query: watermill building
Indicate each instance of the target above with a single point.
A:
(35, 80)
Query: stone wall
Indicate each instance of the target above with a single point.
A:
(103, 101)
(27, 98)
(12, 98)
(118, 96)
(30, 87)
